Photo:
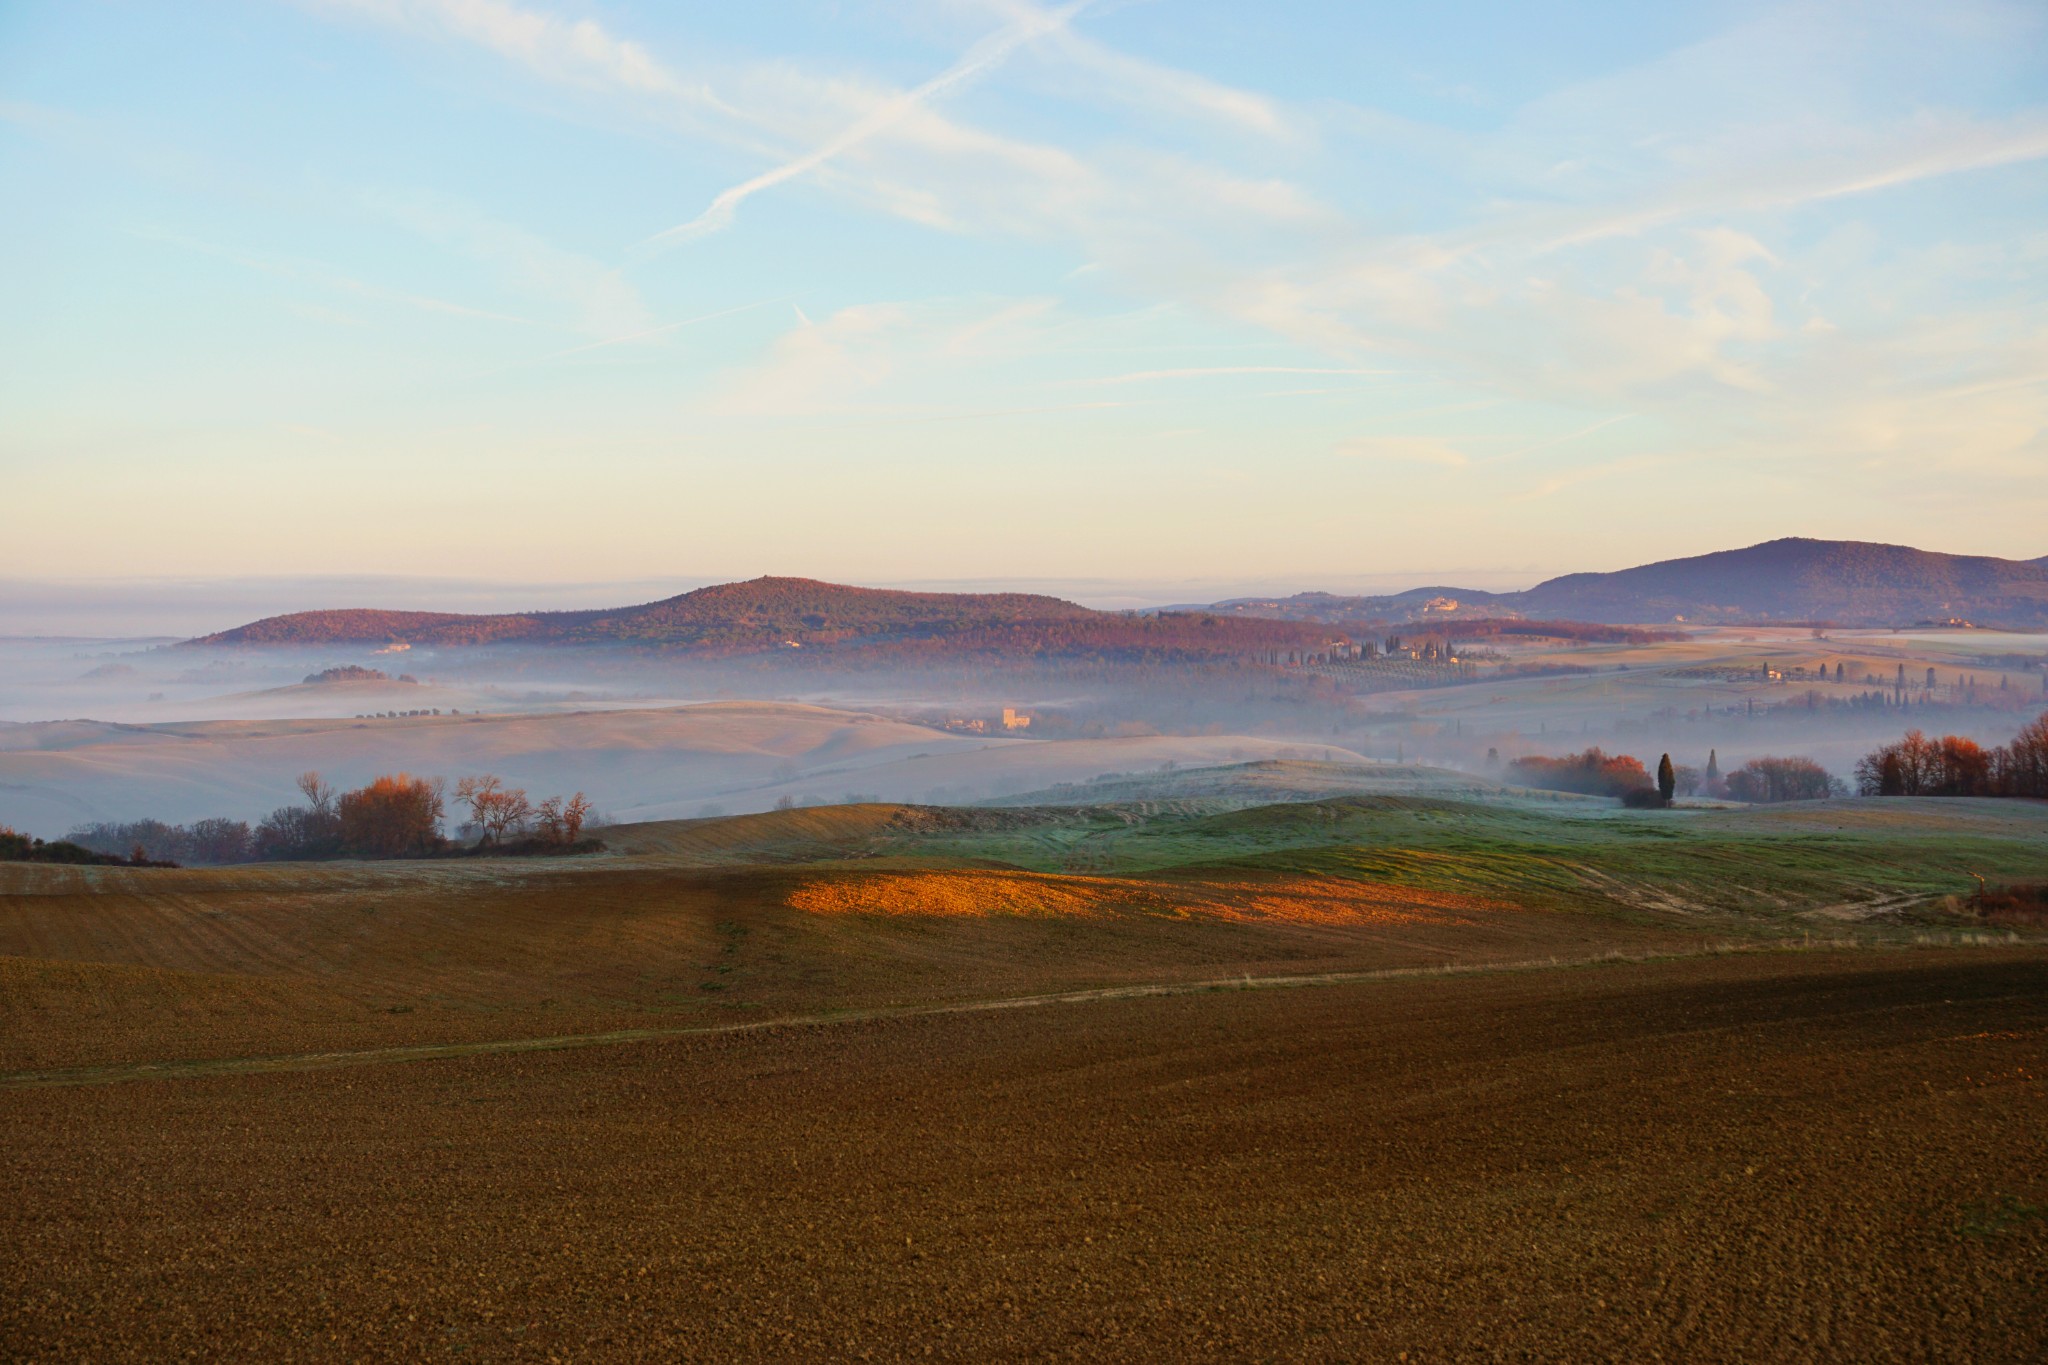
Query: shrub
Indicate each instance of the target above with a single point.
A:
(2022, 904)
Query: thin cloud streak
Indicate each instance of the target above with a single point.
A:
(983, 56)
(1970, 154)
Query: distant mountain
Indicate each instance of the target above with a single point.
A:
(778, 614)
(1842, 581)
(1847, 582)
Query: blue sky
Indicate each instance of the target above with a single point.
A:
(950, 290)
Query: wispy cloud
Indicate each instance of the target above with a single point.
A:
(1945, 152)
(984, 55)
(580, 51)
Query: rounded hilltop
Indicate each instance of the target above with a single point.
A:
(772, 614)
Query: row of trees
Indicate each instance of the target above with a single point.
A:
(1598, 773)
(16, 847)
(1918, 765)
(202, 841)
(394, 816)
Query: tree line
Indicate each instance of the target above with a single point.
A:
(394, 816)
(16, 847)
(1918, 765)
(1594, 772)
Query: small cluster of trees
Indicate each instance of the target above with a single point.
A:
(1592, 773)
(395, 816)
(498, 814)
(1598, 773)
(1954, 766)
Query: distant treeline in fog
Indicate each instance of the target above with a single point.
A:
(1763, 781)
(1954, 766)
(395, 816)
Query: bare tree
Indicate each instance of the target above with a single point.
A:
(547, 817)
(494, 809)
(319, 793)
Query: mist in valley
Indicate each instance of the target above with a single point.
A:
(153, 728)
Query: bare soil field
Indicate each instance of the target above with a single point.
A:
(697, 923)
(1333, 1079)
(1760, 1156)
(196, 965)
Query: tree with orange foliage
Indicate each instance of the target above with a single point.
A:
(1956, 766)
(392, 817)
(574, 813)
(1594, 772)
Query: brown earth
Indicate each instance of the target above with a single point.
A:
(109, 966)
(1757, 1156)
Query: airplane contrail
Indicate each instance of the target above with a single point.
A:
(989, 52)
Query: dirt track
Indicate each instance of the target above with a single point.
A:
(1782, 1156)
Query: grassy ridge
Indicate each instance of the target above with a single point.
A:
(1846, 855)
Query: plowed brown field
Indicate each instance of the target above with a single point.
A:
(107, 966)
(1760, 1156)
(872, 1083)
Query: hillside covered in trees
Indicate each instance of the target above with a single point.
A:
(788, 614)
(1845, 582)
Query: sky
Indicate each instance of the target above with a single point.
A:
(1308, 295)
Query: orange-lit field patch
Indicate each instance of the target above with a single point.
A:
(1300, 900)
(974, 894)
(1331, 900)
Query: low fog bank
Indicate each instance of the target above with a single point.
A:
(714, 759)
(180, 608)
(563, 719)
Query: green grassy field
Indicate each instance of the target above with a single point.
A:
(1837, 860)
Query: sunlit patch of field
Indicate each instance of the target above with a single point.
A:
(970, 894)
(1339, 901)
(978, 894)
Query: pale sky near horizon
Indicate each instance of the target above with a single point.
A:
(944, 290)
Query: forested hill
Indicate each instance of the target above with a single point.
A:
(768, 614)
(1846, 582)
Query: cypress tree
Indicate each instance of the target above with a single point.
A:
(1667, 779)
(1713, 771)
